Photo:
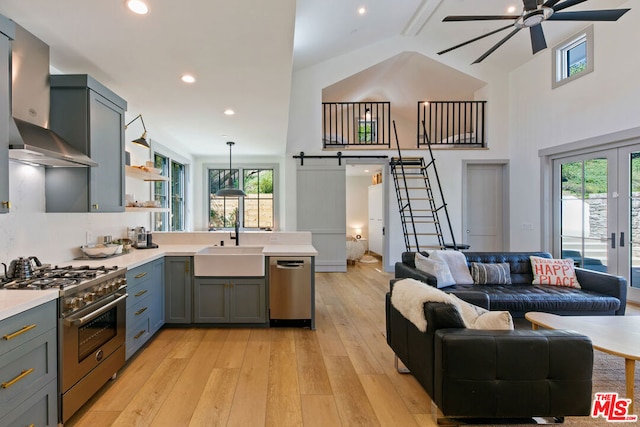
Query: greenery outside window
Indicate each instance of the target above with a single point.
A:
(255, 210)
(170, 194)
(573, 58)
(367, 130)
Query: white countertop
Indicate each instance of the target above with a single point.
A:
(16, 301)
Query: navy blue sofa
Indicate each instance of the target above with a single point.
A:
(600, 294)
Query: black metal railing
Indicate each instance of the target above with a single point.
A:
(459, 123)
(356, 124)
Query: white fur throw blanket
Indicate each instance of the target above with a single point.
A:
(409, 296)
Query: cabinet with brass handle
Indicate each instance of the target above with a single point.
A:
(28, 367)
(240, 300)
(145, 305)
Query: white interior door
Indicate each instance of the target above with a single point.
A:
(484, 207)
(321, 196)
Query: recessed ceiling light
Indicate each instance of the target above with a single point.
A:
(362, 10)
(188, 78)
(137, 6)
(229, 112)
(511, 9)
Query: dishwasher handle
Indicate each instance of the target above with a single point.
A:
(289, 264)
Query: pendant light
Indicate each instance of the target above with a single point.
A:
(230, 190)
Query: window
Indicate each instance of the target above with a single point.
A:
(367, 130)
(255, 210)
(170, 194)
(573, 58)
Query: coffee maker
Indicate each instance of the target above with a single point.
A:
(140, 241)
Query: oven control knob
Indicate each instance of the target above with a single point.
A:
(90, 296)
(74, 303)
(101, 290)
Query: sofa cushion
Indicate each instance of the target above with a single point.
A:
(519, 262)
(438, 269)
(554, 272)
(519, 299)
(457, 263)
(490, 274)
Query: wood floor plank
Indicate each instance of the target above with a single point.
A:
(147, 402)
(312, 374)
(319, 411)
(233, 349)
(388, 406)
(283, 395)
(215, 403)
(249, 404)
(353, 405)
(184, 396)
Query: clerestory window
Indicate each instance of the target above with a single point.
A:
(573, 58)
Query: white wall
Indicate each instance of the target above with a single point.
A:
(604, 101)
(358, 204)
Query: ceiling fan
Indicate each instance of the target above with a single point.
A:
(534, 13)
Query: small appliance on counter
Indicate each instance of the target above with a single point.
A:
(144, 239)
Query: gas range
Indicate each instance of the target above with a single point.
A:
(79, 286)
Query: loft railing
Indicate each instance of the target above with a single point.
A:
(452, 123)
(356, 124)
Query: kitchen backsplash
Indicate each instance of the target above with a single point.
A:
(53, 237)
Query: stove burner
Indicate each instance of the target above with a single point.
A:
(56, 277)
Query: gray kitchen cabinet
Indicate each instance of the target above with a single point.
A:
(7, 30)
(28, 367)
(178, 279)
(229, 300)
(91, 118)
(145, 307)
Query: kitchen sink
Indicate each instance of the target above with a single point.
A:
(229, 261)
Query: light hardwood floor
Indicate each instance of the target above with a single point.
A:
(340, 374)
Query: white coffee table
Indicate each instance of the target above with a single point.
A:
(616, 335)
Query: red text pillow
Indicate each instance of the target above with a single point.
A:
(554, 272)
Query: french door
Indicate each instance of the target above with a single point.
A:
(597, 211)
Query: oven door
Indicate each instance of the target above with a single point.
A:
(90, 336)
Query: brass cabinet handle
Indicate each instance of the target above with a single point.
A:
(137, 276)
(16, 379)
(20, 332)
(139, 334)
(6, 204)
(142, 292)
(142, 310)
(95, 206)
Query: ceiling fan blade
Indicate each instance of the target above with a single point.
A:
(589, 15)
(566, 4)
(496, 46)
(476, 39)
(530, 4)
(457, 18)
(538, 41)
(552, 3)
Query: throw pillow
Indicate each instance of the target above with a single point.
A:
(475, 317)
(491, 273)
(554, 272)
(457, 263)
(437, 269)
(493, 320)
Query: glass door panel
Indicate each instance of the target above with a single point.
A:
(584, 218)
(630, 215)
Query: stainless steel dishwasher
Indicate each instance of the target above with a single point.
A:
(290, 291)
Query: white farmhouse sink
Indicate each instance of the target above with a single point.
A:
(229, 261)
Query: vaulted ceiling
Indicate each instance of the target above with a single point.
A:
(243, 54)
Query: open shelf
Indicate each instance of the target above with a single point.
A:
(138, 173)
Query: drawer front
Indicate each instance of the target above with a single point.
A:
(139, 275)
(140, 309)
(39, 409)
(137, 334)
(27, 368)
(18, 329)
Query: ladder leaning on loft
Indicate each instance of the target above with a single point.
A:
(419, 205)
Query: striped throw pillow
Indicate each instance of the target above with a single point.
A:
(490, 273)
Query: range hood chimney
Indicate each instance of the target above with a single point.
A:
(30, 140)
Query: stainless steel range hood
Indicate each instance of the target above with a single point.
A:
(29, 139)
